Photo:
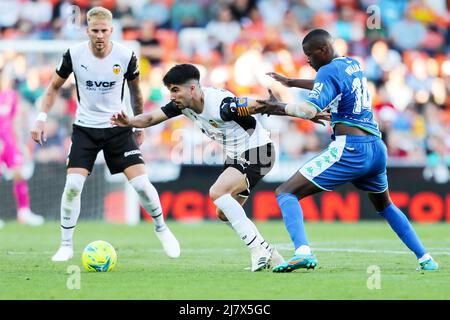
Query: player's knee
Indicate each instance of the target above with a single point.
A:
(74, 186)
(71, 192)
(380, 200)
(215, 192)
(280, 190)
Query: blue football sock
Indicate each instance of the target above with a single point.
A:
(293, 218)
(400, 224)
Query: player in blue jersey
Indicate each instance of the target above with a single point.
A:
(357, 154)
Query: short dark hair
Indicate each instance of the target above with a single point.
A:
(180, 74)
(319, 36)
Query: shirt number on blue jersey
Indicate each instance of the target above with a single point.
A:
(362, 98)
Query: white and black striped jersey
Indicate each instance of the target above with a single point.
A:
(220, 122)
(99, 82)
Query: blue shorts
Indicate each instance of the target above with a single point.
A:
(357, 159)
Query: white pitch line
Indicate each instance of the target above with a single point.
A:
(284, 247)
(358, 250)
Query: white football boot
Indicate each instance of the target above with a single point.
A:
(260, 258)
(2, 224)
(275, 258)
(169, 242)
(25, 216)
(64, 253)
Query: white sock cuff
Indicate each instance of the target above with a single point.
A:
(222, 200)
(425, 257)
(75, 180)
(238, 219)
(303, 249)
(140, 181)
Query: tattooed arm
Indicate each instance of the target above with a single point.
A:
(137, 104)
(137, 101)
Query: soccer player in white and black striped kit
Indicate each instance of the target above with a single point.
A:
(101, 68)
(249, 149)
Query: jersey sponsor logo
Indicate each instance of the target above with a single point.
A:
(100, 84)
(244, 166)
(242, 161)
(116, 69)
(317, 89)
(132, 152)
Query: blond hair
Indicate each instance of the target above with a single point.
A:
(99, 13)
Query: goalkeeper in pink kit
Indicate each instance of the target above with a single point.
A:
(12, 155)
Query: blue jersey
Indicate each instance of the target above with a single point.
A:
(341, 87)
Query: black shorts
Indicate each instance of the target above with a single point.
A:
(118, 144)
(254, 163)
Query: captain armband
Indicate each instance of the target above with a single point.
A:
(242, 107)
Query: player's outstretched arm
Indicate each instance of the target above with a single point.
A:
(302, 109)
(292, 83)
(248, 106)
(143, 120)
(38, 132)
(244, 107)
(321, 117)
(272, 106)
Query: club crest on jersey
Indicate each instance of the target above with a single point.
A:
(116, 69)
(213, 123)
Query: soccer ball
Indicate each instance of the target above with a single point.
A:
(99, 256)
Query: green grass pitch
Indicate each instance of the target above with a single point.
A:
(214, 264)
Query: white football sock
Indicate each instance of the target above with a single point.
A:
(303, 249)
(70, 206)
(260, 238)
(149, 199)
(425, 257)
(238, 219)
